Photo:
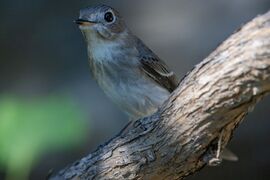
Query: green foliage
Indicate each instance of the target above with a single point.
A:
(29, 128)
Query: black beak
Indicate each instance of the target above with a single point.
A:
(83, 22)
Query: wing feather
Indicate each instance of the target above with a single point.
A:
(156, 69)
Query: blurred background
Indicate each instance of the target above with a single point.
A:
(53, 113)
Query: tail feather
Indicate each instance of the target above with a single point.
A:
(229, 155)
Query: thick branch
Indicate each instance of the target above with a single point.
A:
(180, 138)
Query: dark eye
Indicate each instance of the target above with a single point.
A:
(108, 17)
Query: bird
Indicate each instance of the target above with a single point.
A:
(128, 71)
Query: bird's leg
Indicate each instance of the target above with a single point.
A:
(216, 160)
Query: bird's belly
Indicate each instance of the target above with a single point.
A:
(137, 97)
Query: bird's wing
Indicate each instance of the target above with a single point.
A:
(156, 69)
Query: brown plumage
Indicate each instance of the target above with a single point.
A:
(133, 76)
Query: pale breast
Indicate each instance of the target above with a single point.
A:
(136, 95)
(116, 70)
(129, 88)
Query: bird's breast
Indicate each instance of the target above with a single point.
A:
(116, 69)
(134, 93)
(102, 52)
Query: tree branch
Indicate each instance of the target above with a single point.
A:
(182, 136)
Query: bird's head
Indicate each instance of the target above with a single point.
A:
(100, 22)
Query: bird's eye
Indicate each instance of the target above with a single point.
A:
(108, 17)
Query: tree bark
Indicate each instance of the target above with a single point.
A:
(182, 136)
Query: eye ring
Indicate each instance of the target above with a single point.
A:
(109, 17)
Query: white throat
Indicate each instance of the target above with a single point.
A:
(99, 49)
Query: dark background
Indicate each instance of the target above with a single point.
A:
(43, 52)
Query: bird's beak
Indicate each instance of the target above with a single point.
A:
(84, 22)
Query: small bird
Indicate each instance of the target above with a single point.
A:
(129, 73)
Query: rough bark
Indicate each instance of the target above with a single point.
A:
(182, 136)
